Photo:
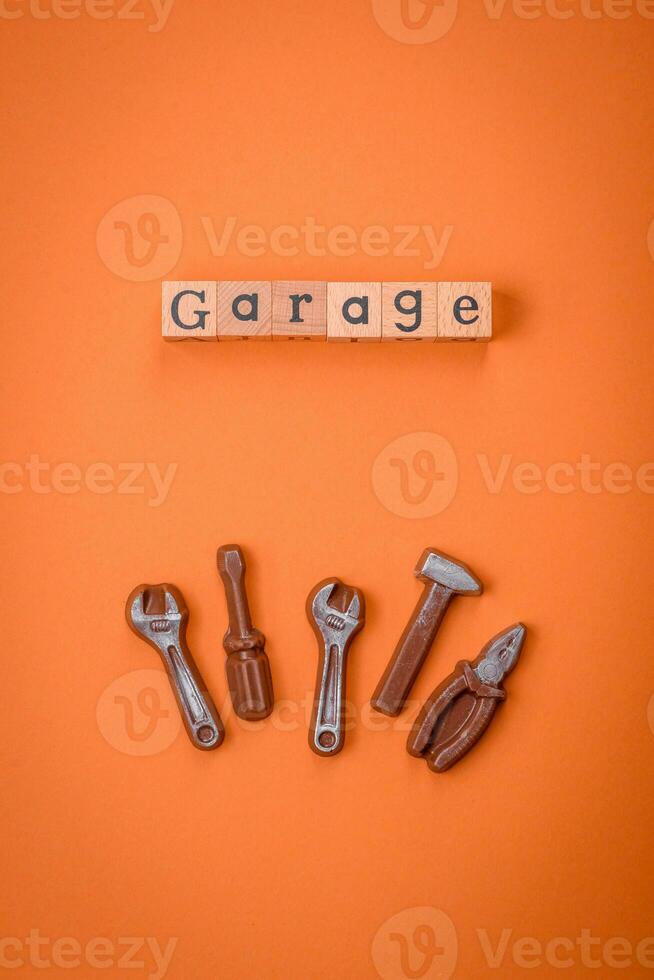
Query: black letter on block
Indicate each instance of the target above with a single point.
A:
(362, 317)
(459, 309)
(416, 309)
(296, 299)
(202, 314)
(253, 300)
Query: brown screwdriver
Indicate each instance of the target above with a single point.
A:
(248, 670)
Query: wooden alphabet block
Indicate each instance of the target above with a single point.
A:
(244, 310)
(465, 311)
(188, 310)
(409, 311)
(299, 310)
(354, 311)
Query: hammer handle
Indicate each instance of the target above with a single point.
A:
(412, 648)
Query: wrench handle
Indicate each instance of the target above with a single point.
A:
(199, 714)
(327, 732)
(412, 648)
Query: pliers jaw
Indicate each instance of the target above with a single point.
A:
(500, 655)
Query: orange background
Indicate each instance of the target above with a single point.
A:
(533, 139)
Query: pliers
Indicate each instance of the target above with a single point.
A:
(462, 707)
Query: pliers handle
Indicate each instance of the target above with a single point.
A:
(454, 718)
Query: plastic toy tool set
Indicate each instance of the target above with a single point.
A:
(338, 311)
(452, 720)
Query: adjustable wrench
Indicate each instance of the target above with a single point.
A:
(336, 613)
(158, 614)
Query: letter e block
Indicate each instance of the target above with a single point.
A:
(244, 311)
(188, 310)
(353, 311)
(465, 311)
(409, 311)
(299, 310)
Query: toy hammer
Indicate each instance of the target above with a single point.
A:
(443, 578)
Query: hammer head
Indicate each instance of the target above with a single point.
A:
(434, 566)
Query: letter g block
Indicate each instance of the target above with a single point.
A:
(188, 311)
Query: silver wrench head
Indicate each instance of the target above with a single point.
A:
(158, 614)
(336, 625)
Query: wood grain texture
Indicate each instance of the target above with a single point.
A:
(465, 311)
(238, 305)
(358, 301)
(421, 302)
(286, 310)
(181, 304)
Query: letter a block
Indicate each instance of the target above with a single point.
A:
(244, 311)
(299, 310)
(188, 310)
(465, 311)
(354, 311)
(409, 311)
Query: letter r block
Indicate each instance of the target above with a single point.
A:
(244, 310)
(354, 311)
(465, 311)
(188, 310)
(299, 310)
(409, 311)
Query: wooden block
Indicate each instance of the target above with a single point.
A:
(465, 311)
(188, 310)
(299, 310)
(244, 311)
(409, 311)
(353, 311)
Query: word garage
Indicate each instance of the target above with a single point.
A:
(350, 311)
